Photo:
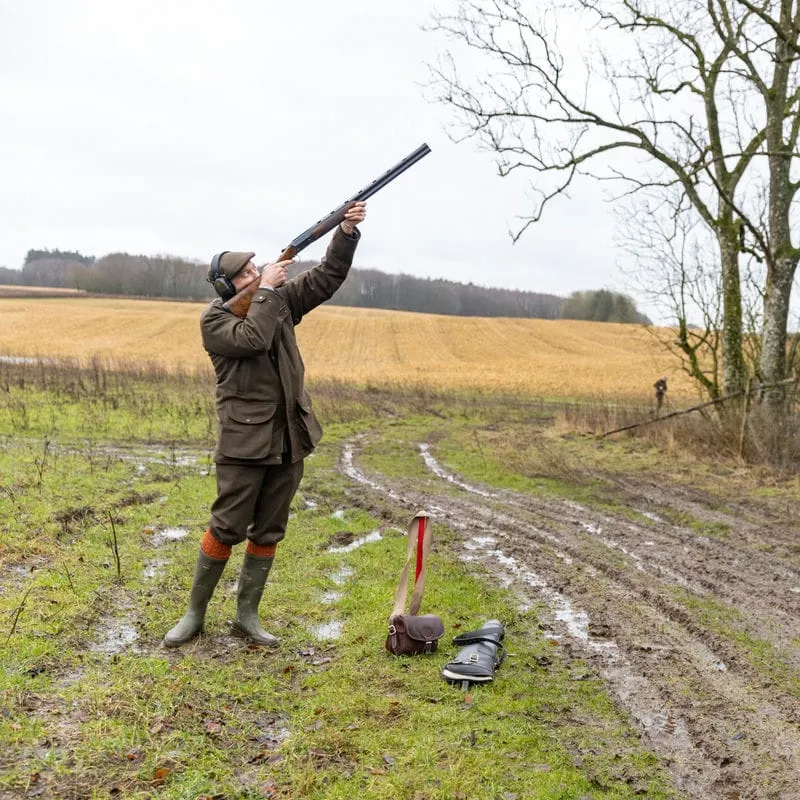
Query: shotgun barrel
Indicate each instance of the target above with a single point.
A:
(240, 302)
(329, 222)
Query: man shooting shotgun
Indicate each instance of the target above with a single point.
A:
(239, 303)
(266, 424)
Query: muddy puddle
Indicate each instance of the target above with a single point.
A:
(153, 569)
(24, 360)
(436, 468)
(115, 635)
(374, 536)
(327, 631)
(159, 537)
(143, 456)
(342, 575)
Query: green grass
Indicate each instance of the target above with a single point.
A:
(315, 719)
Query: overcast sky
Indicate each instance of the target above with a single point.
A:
(185, 128)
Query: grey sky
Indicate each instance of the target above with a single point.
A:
(167, 126)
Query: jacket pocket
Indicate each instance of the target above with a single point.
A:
(313, 430)
(246, 430)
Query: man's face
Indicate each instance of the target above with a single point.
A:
(245, 276)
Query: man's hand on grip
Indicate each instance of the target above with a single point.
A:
(274, 275)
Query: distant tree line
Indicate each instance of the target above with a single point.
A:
(177, 278)
(370, 288)
(602, 306)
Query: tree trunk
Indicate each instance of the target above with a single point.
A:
(733, 368)
(773, 336)
(782, 258)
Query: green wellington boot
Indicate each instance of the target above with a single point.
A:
(252, 579)
(207, 573)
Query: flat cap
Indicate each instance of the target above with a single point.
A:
(232, 263)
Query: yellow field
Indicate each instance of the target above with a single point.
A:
(14, 290)
(366, 346)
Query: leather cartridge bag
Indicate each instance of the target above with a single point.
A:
(413, 633)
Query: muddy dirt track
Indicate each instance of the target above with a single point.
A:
(695, 635)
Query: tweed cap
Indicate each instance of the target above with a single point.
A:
(232, 263)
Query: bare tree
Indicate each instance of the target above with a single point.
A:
(674, 266)
(689, 97)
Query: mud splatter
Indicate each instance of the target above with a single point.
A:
(374, 536)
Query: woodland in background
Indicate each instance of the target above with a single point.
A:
(177, 278)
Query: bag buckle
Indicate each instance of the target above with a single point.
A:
(392, 630)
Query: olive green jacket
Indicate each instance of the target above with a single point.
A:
(263, 410)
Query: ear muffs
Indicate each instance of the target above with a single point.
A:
(217, 278)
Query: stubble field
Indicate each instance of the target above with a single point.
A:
(367, 347)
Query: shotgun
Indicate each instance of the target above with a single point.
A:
(240, 303)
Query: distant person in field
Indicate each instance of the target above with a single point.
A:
(265, 424)
(661, 391)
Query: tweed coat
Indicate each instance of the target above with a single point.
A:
(263, 409)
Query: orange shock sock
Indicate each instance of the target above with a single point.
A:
(214, 548)
(261, 550)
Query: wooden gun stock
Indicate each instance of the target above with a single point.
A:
(240, 303)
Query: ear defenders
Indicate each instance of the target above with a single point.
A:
(219, 280)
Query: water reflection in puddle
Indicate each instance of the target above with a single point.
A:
(173, 533)
(356, 474)
(328, 630)
(331, 597)
(24, 360)
(161, 535)
(117, 636)
(341, 576)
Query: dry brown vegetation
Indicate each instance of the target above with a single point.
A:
(369, 347)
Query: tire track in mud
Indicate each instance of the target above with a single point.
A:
(745, 578)
(723, 730)
(741, 574)
(753, 525)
